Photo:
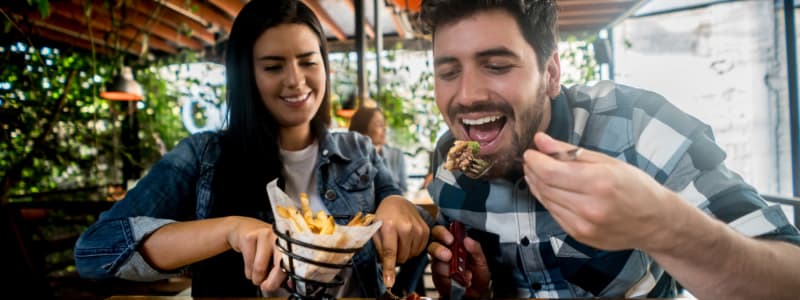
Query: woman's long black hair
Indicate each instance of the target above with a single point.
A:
(250, 156)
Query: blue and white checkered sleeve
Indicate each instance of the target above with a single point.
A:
(680, 152)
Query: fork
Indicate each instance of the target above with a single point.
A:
(479, 167)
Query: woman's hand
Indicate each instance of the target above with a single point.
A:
(403, 235)
(256, 241)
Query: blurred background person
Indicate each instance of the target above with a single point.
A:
(370, 121)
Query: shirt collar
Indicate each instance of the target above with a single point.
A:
(560, 126)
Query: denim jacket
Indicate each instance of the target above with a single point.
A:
(351, 178)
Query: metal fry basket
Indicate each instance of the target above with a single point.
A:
(304, 288)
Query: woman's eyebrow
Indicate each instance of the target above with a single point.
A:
(281, 58)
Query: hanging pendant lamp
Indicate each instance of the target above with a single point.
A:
(123, 87)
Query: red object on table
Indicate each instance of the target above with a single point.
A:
(458, 263)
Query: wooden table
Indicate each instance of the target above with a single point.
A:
(423, 199)
(191, 298)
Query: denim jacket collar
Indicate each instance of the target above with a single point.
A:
(329, 148)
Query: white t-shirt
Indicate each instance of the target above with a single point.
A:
(298, 171)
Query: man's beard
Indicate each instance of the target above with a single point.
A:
(509, 163)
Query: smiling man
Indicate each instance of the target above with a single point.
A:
(645, 201)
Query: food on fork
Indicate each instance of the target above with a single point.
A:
(461, 155)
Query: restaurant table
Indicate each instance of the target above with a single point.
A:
(216, 298)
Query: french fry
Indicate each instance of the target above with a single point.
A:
(329, 226)
(368, 220)
(305, 205)
(355, 220)
(312, 223)
(297, 219)
(304, 218)
(282, 212)
(361, 219)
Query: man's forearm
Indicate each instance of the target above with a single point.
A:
(713, 261)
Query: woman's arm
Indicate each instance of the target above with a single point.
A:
(179, 244)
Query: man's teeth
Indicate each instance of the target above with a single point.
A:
(296, 99)
(481, 121)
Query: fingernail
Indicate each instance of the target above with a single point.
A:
(388, 280)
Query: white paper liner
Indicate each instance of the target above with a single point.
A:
(343, 237)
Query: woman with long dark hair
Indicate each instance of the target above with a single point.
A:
(203, 207)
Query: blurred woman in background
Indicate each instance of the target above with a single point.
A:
(370, 121)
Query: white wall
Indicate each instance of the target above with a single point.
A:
(724, 64)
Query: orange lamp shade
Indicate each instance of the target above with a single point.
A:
(123, 87)
(346, 113)
(411, 5)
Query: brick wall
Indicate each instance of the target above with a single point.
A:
(726, 65)
(722, 64)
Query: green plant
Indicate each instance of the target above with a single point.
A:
(406, 95)
(578, 64)
(56, 133)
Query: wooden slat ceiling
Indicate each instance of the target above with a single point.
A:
(165, 27)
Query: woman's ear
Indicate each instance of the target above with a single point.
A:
(552, 73)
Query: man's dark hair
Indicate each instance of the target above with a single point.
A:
(537, 19)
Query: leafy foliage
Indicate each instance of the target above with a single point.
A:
(578, 64)
(406, 95)
(58, 134)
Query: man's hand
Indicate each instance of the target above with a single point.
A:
(599, 200)
(256, 241)
(477, 274)
(403, 235)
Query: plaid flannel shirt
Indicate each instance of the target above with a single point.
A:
(530, 254)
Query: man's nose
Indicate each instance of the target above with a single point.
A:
(473, 87)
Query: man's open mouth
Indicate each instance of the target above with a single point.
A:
(484, 129)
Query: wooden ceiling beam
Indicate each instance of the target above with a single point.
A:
(325, 19)
(74, 34)
(61, 38)
(202, 11)
(71, 14)
(566, 5)
(587, 29)
(608, 11)
(138, 20)
(230, 7)
(134, 19)
(582, 21)
(102, 28)
(175, 20)
(368, 29)
(398, 24)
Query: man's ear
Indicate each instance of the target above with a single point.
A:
(553, 75)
